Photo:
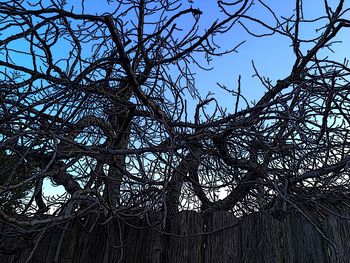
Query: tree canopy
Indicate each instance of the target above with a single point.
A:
(99, 104)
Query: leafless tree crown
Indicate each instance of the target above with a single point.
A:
(98, 104)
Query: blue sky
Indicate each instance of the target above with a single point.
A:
(272, 55)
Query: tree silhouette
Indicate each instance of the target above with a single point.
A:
(98, 104)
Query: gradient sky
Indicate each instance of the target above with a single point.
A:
(272, 55)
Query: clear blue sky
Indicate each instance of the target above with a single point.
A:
(272, 55)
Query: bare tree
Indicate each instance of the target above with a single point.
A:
(97, 103)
